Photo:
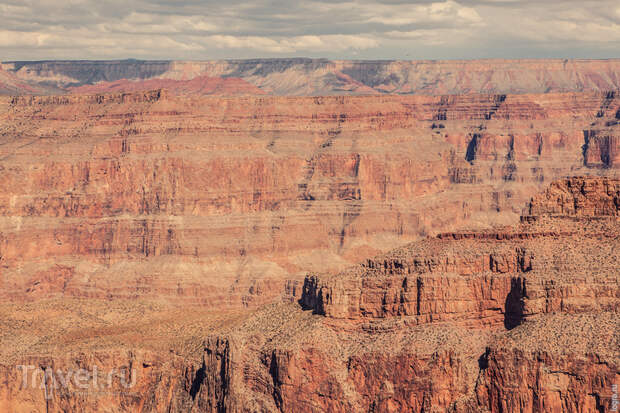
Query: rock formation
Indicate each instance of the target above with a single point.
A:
(175, 252)
(513, 318)
(230, 201)
(200, 85)
(311, 77)
(520, 318)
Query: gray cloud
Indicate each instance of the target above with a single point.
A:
(209, 29)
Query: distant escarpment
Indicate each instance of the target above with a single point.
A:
(329, 77)
(200, 85)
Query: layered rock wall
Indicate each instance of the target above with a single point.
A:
(186, 197)
(520, 318)
(582, 196)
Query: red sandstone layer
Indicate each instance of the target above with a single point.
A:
(228, 202)
(444, 348)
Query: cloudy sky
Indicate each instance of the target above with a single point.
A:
(372, 29)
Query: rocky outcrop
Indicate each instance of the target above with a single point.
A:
(556, 364)
(580, 196)
(489, 277)
(457, 285)
(379, 342)
(326, 77)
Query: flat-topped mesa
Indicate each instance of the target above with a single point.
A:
(299, 76)
(488, 277)
(586, 196)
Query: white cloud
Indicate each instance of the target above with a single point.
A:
(149, 23)
(556, 24)
(14, 39)
(399, 14)
(294, 44)
(429, 37)
(192, 29)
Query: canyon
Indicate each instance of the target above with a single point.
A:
(229, 202)
(227, 250)
(511, 318)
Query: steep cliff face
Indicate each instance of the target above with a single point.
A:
(556, 350)
(579, 196)
(324, 77)
(511, 318)
(229, 201)
(555, 364)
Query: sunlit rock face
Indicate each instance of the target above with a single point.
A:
(231, 201)
(309, 254)
(520, 317)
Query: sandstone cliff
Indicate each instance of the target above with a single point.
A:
(230, 201)
(439, 326)
(516, 318)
